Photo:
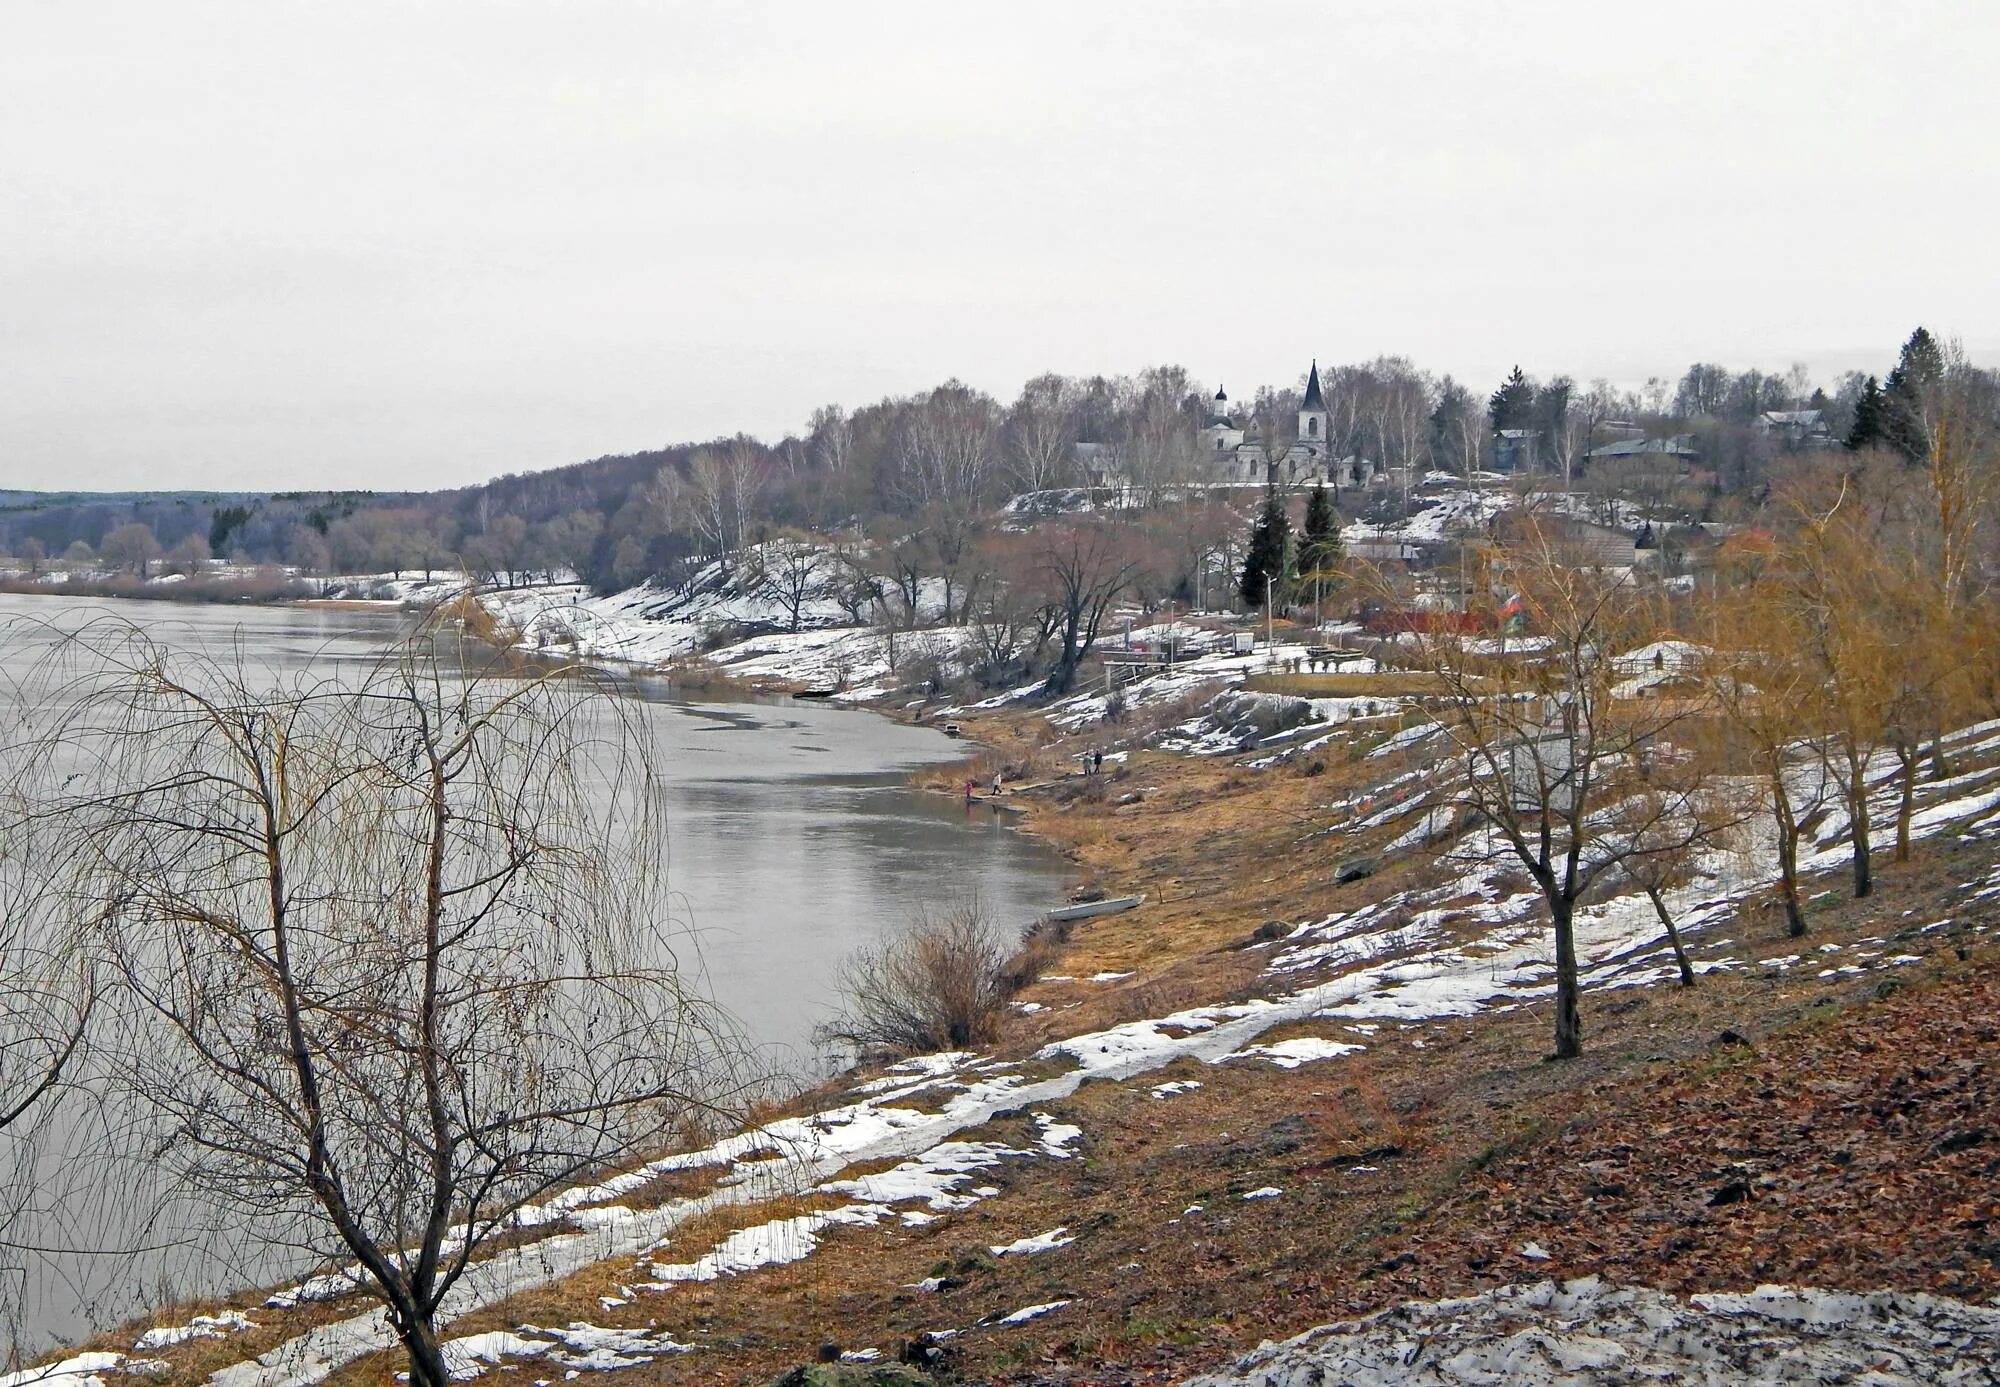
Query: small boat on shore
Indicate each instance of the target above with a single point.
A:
(815, 693)
(1084, 910)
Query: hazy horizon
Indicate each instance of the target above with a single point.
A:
(391, 246)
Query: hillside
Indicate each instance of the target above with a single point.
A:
(1267, 1099)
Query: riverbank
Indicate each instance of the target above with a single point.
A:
(1266, 1099)
(268, 589)
(794, 840)
(1270, 1097)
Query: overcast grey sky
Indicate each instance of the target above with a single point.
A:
(271, 244)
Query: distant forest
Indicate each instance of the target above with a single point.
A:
(937, 464)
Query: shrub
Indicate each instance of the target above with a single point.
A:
(1040, 947)
(935, 984)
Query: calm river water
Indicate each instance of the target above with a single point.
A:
(793, 842)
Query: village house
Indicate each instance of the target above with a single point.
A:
(1515, 450)
(1679, 449)
(1796, 428)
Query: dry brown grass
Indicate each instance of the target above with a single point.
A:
(1217, 850)
(1342, 1239)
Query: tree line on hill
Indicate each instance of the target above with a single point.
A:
(936, 464)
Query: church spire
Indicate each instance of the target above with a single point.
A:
(1313, 399)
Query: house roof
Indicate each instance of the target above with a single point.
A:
(1647, 447)
(1675, 655)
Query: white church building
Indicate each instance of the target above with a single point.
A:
(1237, 457)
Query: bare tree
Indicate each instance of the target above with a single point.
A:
(306, 548)
(1199, 536)
(1676, 813)
(720, 496)
(832, 438)
(946, 450)
(569, 541)
(190, 557)
(395, 946)
(1555, 762)
(1830, 582)
(501, 549)
(792, 567)
(1011, 622)
(1568, 430)
(50, 992)
(1769, 699)
(1162, 446)
(1041, 433)
(856, 586)
(1084, 567)
(1343, 389)
(747, 468)
(131, 546)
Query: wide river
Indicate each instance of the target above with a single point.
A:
(794, 840)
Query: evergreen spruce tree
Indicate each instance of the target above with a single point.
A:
(1921, 364)
(1871, 418)
(1270, 544)
(1513, 404)
(1919, 370)
(1320, 548)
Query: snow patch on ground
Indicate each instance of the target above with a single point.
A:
(1040, 1242)
(80, 1370)
(774, 1244)
(1021, 1316)
(933, 1179)
(580, 1348)
(1290, 1054)
(200, 1327)
(1055, 1137)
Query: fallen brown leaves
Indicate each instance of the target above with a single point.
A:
(1861, 1152)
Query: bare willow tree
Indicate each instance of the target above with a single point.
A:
(1558, 763)
(49, 997)
(1769, 700)
(395, 945)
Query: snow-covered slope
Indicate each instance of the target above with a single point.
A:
(1589, 1331)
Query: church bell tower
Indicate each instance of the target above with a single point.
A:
(1312, 414)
